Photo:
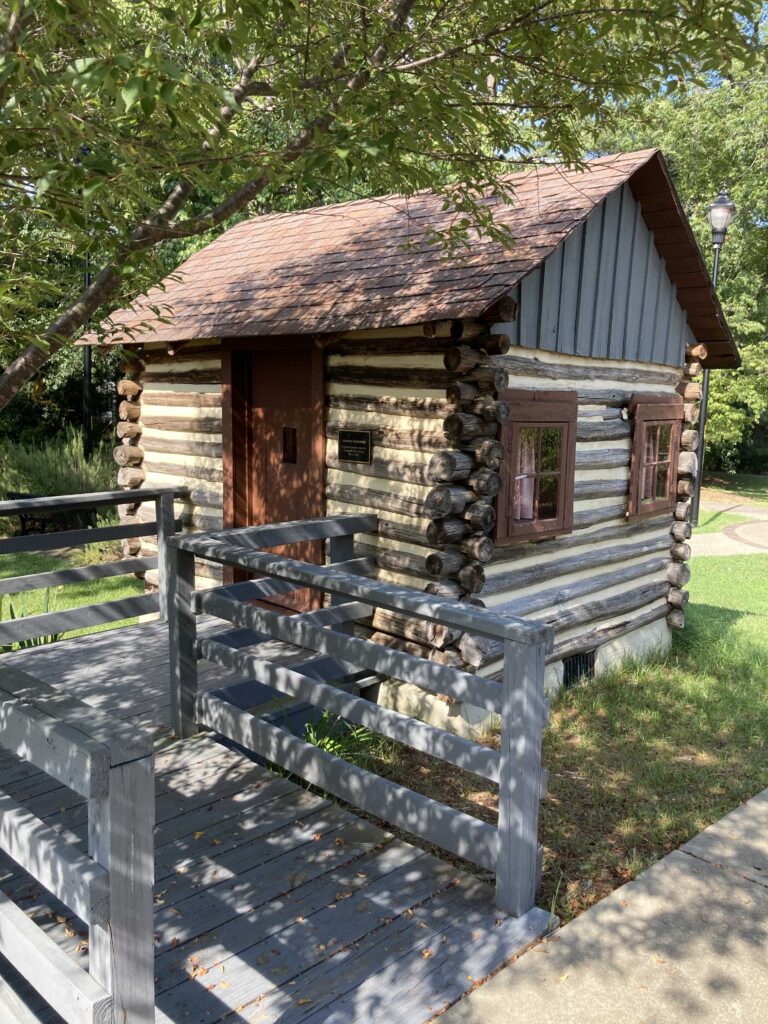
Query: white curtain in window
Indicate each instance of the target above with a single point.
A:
(525, 481)
(649, 458)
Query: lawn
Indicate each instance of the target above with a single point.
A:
(643, 758)
(746, 487)
(713, 521)
(73, 595)
(646, 756)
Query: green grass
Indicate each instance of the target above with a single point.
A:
(747, 487)
(72, 595)
(713, 521)
(645, 756)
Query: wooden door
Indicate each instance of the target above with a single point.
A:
(274, 472)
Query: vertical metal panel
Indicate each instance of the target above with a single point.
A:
(528, 315)
(673, 355)
(623, 275)
(657, 340)
(688, 338)
(604, 293)
(569, 291)
(606, 276)
(550, 300)
(589, 266)
(641, 246)
(650, 299)
(515, 325)
(664, 329)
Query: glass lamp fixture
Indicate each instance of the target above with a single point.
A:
(720, 215)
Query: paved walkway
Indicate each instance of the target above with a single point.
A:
(687, 941)
(737, 538)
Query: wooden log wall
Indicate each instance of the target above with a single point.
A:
(170, 434)
(129, 453)
(688, 465)
(612, 575)
(433, 406)
(440, 453)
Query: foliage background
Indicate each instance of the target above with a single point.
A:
(107, 109)
(712, 134)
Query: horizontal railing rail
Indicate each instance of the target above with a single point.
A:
(109, 888)
(26, 628)
(509, 848)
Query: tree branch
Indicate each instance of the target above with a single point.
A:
(159, 226)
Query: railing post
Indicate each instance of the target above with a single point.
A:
(341, 549)
(121, 839)
(182, 638)
(522, 722)
(166, 527)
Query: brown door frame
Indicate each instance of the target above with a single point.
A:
(236, 401)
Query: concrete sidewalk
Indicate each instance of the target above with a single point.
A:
(687, 941)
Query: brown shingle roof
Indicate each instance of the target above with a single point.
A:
(366, 264)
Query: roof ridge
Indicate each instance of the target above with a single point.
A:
(532, 169)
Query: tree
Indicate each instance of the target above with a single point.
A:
(711, 134)
(125, 128)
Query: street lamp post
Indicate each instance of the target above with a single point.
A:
(87, 379)
(719, 215)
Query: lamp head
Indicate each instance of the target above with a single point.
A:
(720, 214)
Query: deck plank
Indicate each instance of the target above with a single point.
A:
(273, 905)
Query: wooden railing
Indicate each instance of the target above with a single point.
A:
(110, 888)
(511, 848)
(51, 623)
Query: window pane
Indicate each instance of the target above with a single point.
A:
(525, 473)
(665, 436)
(551, 446)
(649, 469)
(662, 480)
(549, 487)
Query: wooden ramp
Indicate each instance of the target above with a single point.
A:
(272, 904)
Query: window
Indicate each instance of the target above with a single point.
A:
(655, 447)
(539, 438)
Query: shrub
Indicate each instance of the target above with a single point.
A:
(56, 466)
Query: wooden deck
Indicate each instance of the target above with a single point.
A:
(272, 903)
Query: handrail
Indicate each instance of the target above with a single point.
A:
(103, 612)
(110, 888)
(217, 548)
(96, 499)
(511, 848)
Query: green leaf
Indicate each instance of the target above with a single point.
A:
(131, 91)
(90, 190)
(168, 92)
(148, 104)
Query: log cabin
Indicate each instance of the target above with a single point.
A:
(520, 415)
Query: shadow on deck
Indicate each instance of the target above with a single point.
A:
(272, 904)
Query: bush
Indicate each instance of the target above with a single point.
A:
(56, 466)
(53, 401)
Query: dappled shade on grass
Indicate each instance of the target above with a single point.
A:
(747, 487)
(646, 756)
(714, 521)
